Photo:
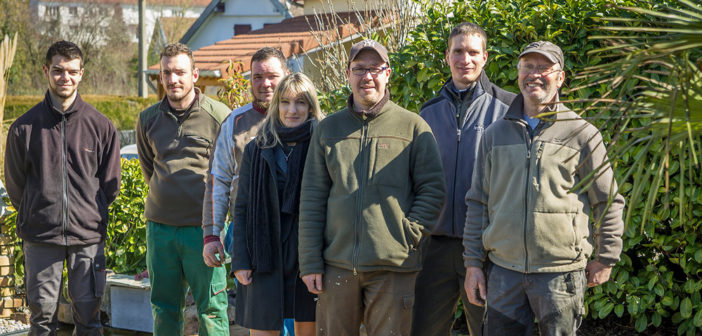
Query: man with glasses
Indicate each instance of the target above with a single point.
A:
(524, 220)
(466, 105)
(372, 183)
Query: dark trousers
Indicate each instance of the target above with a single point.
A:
(514, 299)
(439, 285)
(43, 266)
(381, 300)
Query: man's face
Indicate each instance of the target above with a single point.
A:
(63, 76)
(368, 89)
(466, 57)
(178, 77)
(539, 78)
(265, 76)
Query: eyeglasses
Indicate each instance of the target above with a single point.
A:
(543, 70)
(373, 71)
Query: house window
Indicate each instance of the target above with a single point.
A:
(73, 11)
(51, 12)
(241, 29)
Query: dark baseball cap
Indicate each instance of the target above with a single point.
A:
(548, 49)
(368, 44)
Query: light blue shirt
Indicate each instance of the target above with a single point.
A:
(533, 122)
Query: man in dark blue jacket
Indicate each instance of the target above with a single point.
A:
(466, 105)
(62, 169)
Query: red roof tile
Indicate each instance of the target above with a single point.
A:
(292, 36)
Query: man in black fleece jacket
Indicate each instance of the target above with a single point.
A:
(62, 169)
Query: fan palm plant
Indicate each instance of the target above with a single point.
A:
(652, 105)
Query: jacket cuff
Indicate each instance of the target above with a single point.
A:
(211, 238)
(473, 263)
(607, 261)
(210, 230)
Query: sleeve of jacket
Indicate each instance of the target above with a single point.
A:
(428, 183)
(109, 173)
(241, 258)
(146, 155)
(220, 182)
(606, 202)
(477, 219)
(15, 176)
(316, 185)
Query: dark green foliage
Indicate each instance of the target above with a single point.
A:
(420, 68)
(122, 111)
(125, 247)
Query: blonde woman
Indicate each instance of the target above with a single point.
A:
(264, 258)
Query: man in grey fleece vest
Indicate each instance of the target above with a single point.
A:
(526, 227)
(465, 106)
(268, 68)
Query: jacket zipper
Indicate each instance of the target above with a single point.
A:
(64, 178)
(359, 198)
(528, 142)
(455, 167)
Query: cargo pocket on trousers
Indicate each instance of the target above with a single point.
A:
(216, 288)
(97, 265)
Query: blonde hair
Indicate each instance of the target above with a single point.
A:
(297, 84)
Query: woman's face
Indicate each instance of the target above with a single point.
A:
(294, 110)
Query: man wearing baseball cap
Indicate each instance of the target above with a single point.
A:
(371, 185)
(539, 241)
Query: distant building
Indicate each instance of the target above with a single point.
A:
(223, 19)
(70, 13)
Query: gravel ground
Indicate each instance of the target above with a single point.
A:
(12, 326)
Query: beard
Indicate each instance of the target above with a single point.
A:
(62, 94)
(176, 97)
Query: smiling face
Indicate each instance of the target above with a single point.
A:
(368, 89)
(265, 76)
(539, 78)
(178, 77)
(294, 109)
(63, 75)
(466, 57)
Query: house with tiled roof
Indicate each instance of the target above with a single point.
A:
(300, 38)
(223, 19)
(70, 13)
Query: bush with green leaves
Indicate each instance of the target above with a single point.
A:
(125, 247)
(658, 280)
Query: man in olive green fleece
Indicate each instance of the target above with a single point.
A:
(372, 183)
(524, 220)
(175, 139)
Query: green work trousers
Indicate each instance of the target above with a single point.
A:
(174, 260)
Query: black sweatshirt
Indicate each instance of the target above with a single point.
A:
(62, 171)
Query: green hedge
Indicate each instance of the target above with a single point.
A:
(122, 111)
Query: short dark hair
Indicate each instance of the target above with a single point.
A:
(66, 49)
(267, 52)
(175, 49)
(468, 28)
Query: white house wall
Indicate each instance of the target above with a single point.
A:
(220, 26)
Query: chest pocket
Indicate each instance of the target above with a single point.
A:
(198, 145)
(390, 157)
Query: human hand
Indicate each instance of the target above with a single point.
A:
(243, 276)
(210, 251)
(597, 273)
(475, 286)
(313, 282)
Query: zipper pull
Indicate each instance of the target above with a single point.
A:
(354, 271)
(528, 154)
(458, 133)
